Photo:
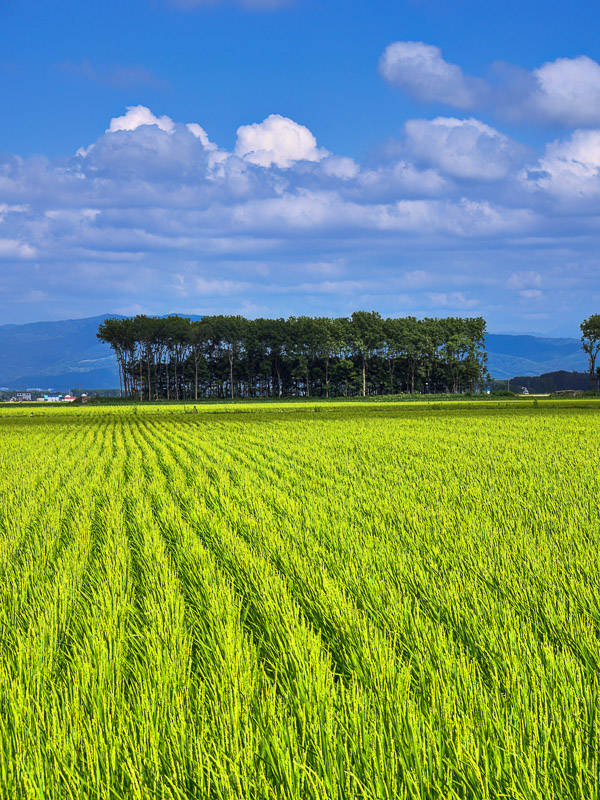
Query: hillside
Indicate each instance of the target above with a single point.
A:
(56, 355)
(548, 382)
(557, 382)
(510, 355)
(66, 354)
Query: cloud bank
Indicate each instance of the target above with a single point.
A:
(461, 148)
(451, 216)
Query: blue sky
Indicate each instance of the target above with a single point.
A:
(269, 158)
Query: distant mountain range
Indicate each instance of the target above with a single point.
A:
(65, 355)
(56, 355)
(510, 355)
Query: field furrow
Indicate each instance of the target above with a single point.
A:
(269, 602)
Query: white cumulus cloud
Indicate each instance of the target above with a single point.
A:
(421, 71)
(570, 168)
(12, 248)
(137, 116)
(199, 133)
(568, 91)
(462, 148)
(565, 91)
(340, 167)
(277, 141)
(121, 225)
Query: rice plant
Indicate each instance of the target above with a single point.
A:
(375, 601)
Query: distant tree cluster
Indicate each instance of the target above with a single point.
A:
(548, 382)
(174, 358)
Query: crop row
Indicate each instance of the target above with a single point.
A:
(363, 603)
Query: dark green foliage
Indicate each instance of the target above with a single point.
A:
(174, 358)
(590, 343)
(550, 382)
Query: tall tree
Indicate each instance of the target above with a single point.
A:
(590, 342)
(366, 335)
(231, 333)
(414, 348)
(146, 332)
(397, 344)
(120, 335)
(329, 340)
(275, 338)
(179, 347)
(199, 339)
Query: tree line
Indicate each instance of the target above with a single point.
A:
(175, 358)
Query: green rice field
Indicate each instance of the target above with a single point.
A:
(329, 601)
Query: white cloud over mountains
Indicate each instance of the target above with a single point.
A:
(276, 175)
(154, 210)
(565, 91)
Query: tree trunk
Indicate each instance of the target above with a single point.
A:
(120, 377)
(326, 377)
(364, 377)
(149, 384)
(141, 383)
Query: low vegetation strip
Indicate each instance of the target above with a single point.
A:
(379, 601)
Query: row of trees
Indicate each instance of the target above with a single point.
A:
(230, 356)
